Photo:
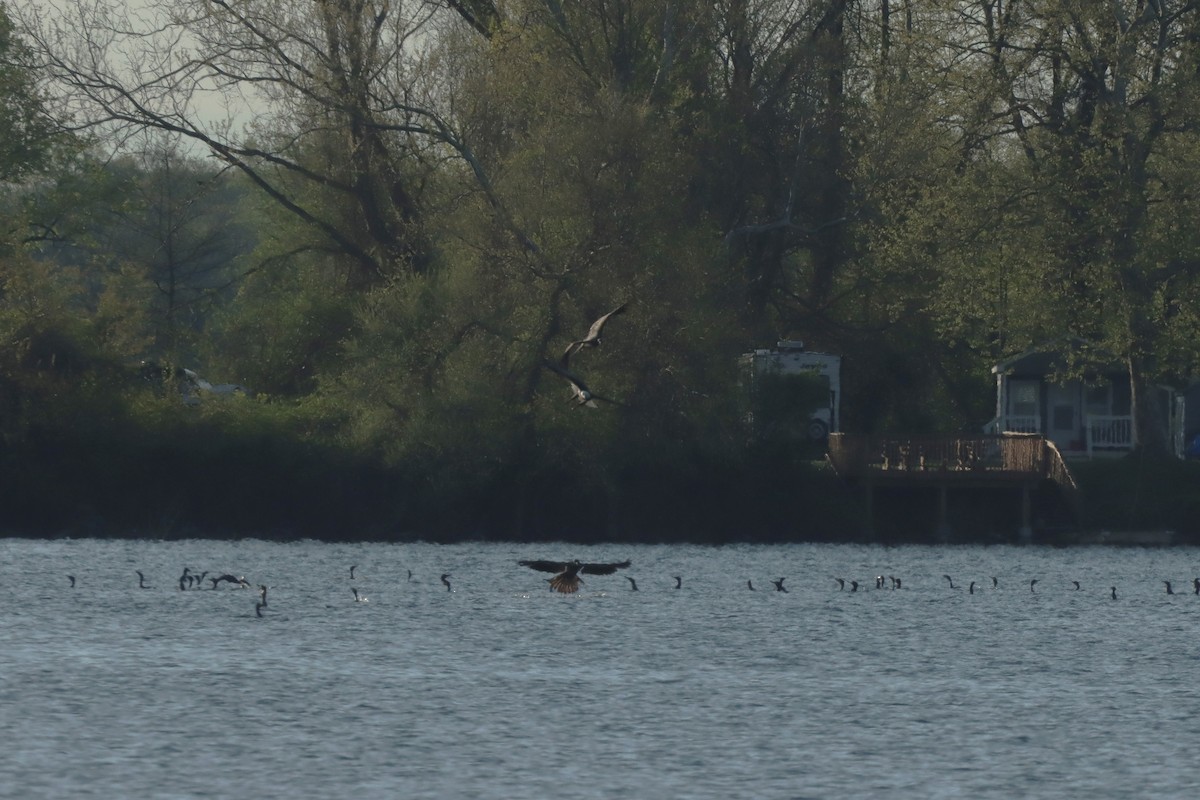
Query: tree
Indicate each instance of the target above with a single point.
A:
(27, 131)
(1083, 105)
(323, 106)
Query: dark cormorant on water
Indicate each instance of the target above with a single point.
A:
(358, 598)
(1114, 592)
(1196, 585)
(995, 583)
(262, 592)
(1031, 583)
(240, 582)
(352, 568)
(567, 580)
(971, 588)
(1076, 585)
(141, 580)
(1168, 583)
(750, 586)
(446, 575)
(854, 586)
(71, 578)
(779, 585)
(258, 607)
(947, 577)
(185, 580)
(841, 584)
(678, 582)
(410, 574)
(632, 584)
(879, 581)
(200, 581)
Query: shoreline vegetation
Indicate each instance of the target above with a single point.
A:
(199, 483)
(366, 302)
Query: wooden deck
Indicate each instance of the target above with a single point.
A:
(1014, 461)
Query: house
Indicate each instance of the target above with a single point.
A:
(1088, 414)
(789, 358)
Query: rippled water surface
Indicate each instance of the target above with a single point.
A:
(501, 689)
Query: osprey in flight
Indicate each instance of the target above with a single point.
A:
(593, 335)
(580, 393)
(567, 579)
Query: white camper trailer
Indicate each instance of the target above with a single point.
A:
(790, 358)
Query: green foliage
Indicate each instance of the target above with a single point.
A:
(415, 233)
(28, 136)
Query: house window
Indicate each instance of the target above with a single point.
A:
(1122, 402)
(1098, 400)
(1023, 399)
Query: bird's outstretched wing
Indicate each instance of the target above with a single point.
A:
(604, 569)
(545, 566)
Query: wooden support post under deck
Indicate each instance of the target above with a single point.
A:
(943, 528)
(1025, 534)
(869, 488)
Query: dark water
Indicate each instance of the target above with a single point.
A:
(501, 689)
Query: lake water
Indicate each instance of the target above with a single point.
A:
(501, 689)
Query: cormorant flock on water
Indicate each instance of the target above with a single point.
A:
(567, 580)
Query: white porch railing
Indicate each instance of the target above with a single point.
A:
(1109, 433)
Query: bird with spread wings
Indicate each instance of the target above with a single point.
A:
(593, 335)
(567, 579)
(580, 393)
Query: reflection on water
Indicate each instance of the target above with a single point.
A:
(503, 689)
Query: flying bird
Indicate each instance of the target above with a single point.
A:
(567, 579)
(593, 335)
(779, 585)
(581, 395)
